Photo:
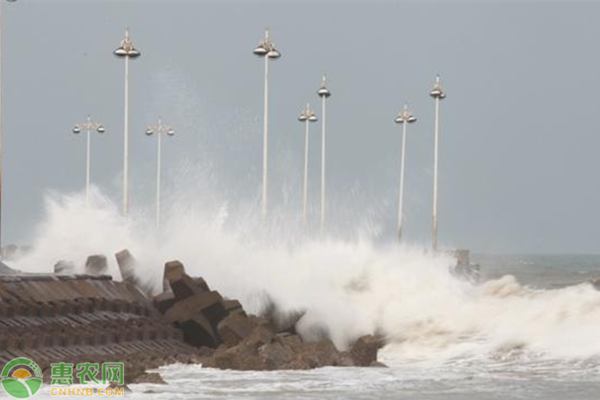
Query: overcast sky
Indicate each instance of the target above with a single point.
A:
(519, 134)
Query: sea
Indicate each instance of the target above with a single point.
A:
(528, 329)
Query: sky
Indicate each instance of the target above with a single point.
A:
(519, 137)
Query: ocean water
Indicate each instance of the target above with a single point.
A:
(512, 374)
(529, 330)
(542, 271)
(470, 371)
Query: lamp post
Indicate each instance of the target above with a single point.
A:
(160, 129)
(126, 50)
(438, 94)
(88, 126)
(11, 1)
(267, 50)
(405, 117)
(306, 116)
(323, 93)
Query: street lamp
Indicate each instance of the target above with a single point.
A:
(160, 129)
(10, 1)
(88, 126)
(405, 117)
(267, 50)
(323, 93)
(438, 94)
(306, 116)
(126, 50)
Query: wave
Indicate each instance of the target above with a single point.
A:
(348, 287)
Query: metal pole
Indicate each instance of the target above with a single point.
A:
(158, 168)
(87, 161)
(323, 143)
(435, 177)
(305, 189)
(401, 196)
(159, 129)
(265, 142)
(126, 142)
(127, 50)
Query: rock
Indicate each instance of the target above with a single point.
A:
(182, 358)
(96, 265)
(264, 322)
(198, 316)
(182, 285)
(297, 364)
(201, 284)
(133, 369)
(240, 357)
(294, 342)
(275, 355)
(174, 270)
(286, 322)
(232, 306)
(164, 301)
(64, 267)
(320, 354)
(596, 284)
(196, 326)
(150, 377)
(127, 265)
(209, 304)
(198, 332)
(364, 350)
(235, 328)
(205, 352)
(377, 364)
(259, 337)
(282, 321)
(345, 360)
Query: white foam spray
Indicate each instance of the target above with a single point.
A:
(348, 287)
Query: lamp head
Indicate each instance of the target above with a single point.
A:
(134, 53)
(100, 129)
(266, 48)
(274, 54)
(437, 92)
(76, 129)
(126, 48)
(323, 91)
(261, 50)
(407, 115)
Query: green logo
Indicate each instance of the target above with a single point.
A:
(20, 383)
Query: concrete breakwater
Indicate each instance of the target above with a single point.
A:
(83, 318)
(65, 317)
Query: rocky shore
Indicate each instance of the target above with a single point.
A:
(232, 339)
(65, 317)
